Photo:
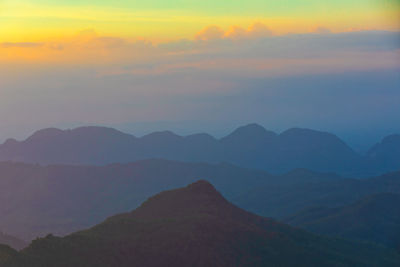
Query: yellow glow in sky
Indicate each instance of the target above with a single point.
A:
(39, 20)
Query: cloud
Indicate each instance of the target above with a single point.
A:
(21, 45)
(236, 32)
(267, 56)
(237, 50)
(256, 30)
(210, 33)
(322, 30)
(259, 30)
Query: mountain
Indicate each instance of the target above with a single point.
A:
(374, 218)
(249, 146)
(36, 200)
(12, 241)
(386, 154)
(85, 145)
(196, 226)
(314, 150)
(305, 189)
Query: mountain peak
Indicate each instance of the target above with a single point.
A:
(249, 132)
(299, 135)
(10, 142)
(97, 130)
(304, 131)
(161, 135)
(202, 187)
(251, 127)
(86, 131)
(45, 133)
(197, 198)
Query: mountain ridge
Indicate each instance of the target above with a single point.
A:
(374, 218)
(214, 234)
(250, 146)
(36, 200)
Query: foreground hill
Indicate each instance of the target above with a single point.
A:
(249, 146)
(36, 200)
(8, 255)
(374, 218)
(196, 226)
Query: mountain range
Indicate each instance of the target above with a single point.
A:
(373, 218)
(194, 226)
(36, 200)
(281, 200)
(250, 146)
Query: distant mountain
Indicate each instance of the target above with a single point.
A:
(314, 150)
(196, 226)
(280, 200)
(374, 218)
(85, 145)
(249, 146)
(386, 154)
(12, 241)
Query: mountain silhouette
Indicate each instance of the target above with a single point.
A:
(386, 154)
(37, 200)
(9, 256)
(249, 134)
(85, 145)
(374, 218)
(12, 241)
(196, 226)
(249, 146)
(305, 189)
(60, 199)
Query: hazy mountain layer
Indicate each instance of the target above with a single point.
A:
(281, 200)
(249, 146)
(37, 200)
(374, 218)
(195, 226)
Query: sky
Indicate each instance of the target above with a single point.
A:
(201, 65)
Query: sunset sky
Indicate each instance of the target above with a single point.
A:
(159, 20)
(192, 64)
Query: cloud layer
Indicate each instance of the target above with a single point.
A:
(253, 50)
